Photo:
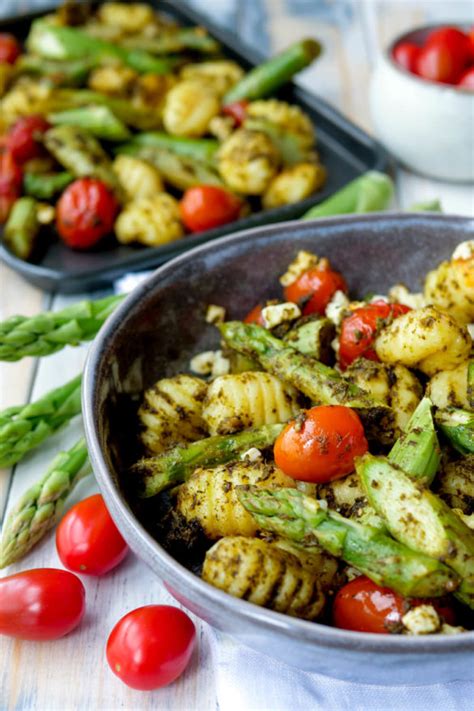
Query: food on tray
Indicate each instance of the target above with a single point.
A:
(120, 122)
(325, 462)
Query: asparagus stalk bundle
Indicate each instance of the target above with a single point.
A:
(98, 120)
(291, 514)
(458, 426)
(370, 192)
(46, 333)
(39, 509)
(177, 465)
(24, 427)
(22, 227)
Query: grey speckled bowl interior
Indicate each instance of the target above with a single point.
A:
(154, 333)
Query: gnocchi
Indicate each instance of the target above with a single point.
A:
(189, 108)
(152, 221)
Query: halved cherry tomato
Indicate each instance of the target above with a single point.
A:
(437, 63)
(467, 79)
(359, 330)
(206, 206)
(41, 604)
(364, 606)
(455, 41)
(151, 646)
(23, 137)
(406, 55)
(85, 213)
(237, 110)
(87, 539)
(321, 444)
(11, 179)
(255, 315)
(314, 289)
(10, 49)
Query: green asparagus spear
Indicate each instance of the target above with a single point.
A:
(302, 519)
(22, 227)
(46, 186)
(178, 464)
(64, 99)
(274, 73)
(181, 172)
(46, 333)
(69, 43)
(81, 154)
(24, 427)
(312, 336)
(98, 120)
(174, 41)
(40, 507)
(58, 73)
(458, 426)
(419, 519)
(370, 192)
(417, 451)
(200, 149)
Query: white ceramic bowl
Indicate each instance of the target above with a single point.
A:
(429, 127)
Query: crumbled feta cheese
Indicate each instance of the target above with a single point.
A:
(252, 455)
(220, 366)
(421, 620)
(215, 314)
(202, 363)
(300, 264)
(465, 250)
(400, 294)
(336, 307)
(351, 573)
(377, 297)
(276, 314)
(45, 213)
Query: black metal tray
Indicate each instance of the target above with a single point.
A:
(345, 150)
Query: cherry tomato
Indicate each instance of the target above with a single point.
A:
(315, 288)
(359, 330)
(321, 444)
(10, 49)
(23, 138)
(151, 646)
(11, 179)
(364, 606)
(255, 315)
(467, 79)
(205, 207)
(87, 539)
(85, 213)
(237, 110)
(41, 604)
(471, 43)
(406, 55)
(456, 41)
(437, 63)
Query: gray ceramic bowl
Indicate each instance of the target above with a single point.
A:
(154, 333)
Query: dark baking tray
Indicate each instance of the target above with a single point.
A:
(345, 150)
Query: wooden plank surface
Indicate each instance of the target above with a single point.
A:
(71, 674)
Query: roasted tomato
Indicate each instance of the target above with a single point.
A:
(24, 138)
(314, 289)
(255, 315)
(11, 179)
(237, 110)
(206, 206)
(85, 213)
(10, 49)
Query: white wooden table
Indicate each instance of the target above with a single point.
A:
(72, 673)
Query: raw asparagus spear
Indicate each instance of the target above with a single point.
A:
(66, 43)
(371, 192)
(81, 154)
(418, 518)
(178, 464)
(302, 519)
(182, 172)
(22, 227)
(48, 332)
(195, 38)
(45, 186)
(458, 426)
(417, 451)
(24, 427)
(201, 149)
(274, 73)
(98, 120)
(40, 507)
(59, 73)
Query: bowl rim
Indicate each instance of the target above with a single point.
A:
(420, 81)
(197, 589)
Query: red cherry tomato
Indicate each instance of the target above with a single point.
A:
(471, 43)
(467, 79)
(321, 445)
(315, 288)
(237, 110)
(205, 207)
(364, 606)
(10, 49)
(85, 213)
(151, 646)
(456, 41)
(87, 539)
(24, 136)
(255, 315)
(359, 330)
(11, 179)
(41, 604)
(406, 55)
(437, 63)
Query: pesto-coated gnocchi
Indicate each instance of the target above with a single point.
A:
(288, 117)
(130, 17)
(294, 183)
(138, 178)
(189, 108)
(150, 220)
(448, 388)
(248, 160)
(264, 574)
(451, 287)
(455, 484)
(220, 74)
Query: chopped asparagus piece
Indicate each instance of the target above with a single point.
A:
(181, 172)
(46, 186)
(458, 426)
(22, 227)
(200, 149)
(312, 336)
(59, 73)
(417, 451)
(65, 99)
(98, 120)
(371, 192)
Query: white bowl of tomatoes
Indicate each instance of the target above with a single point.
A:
(422, 101)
